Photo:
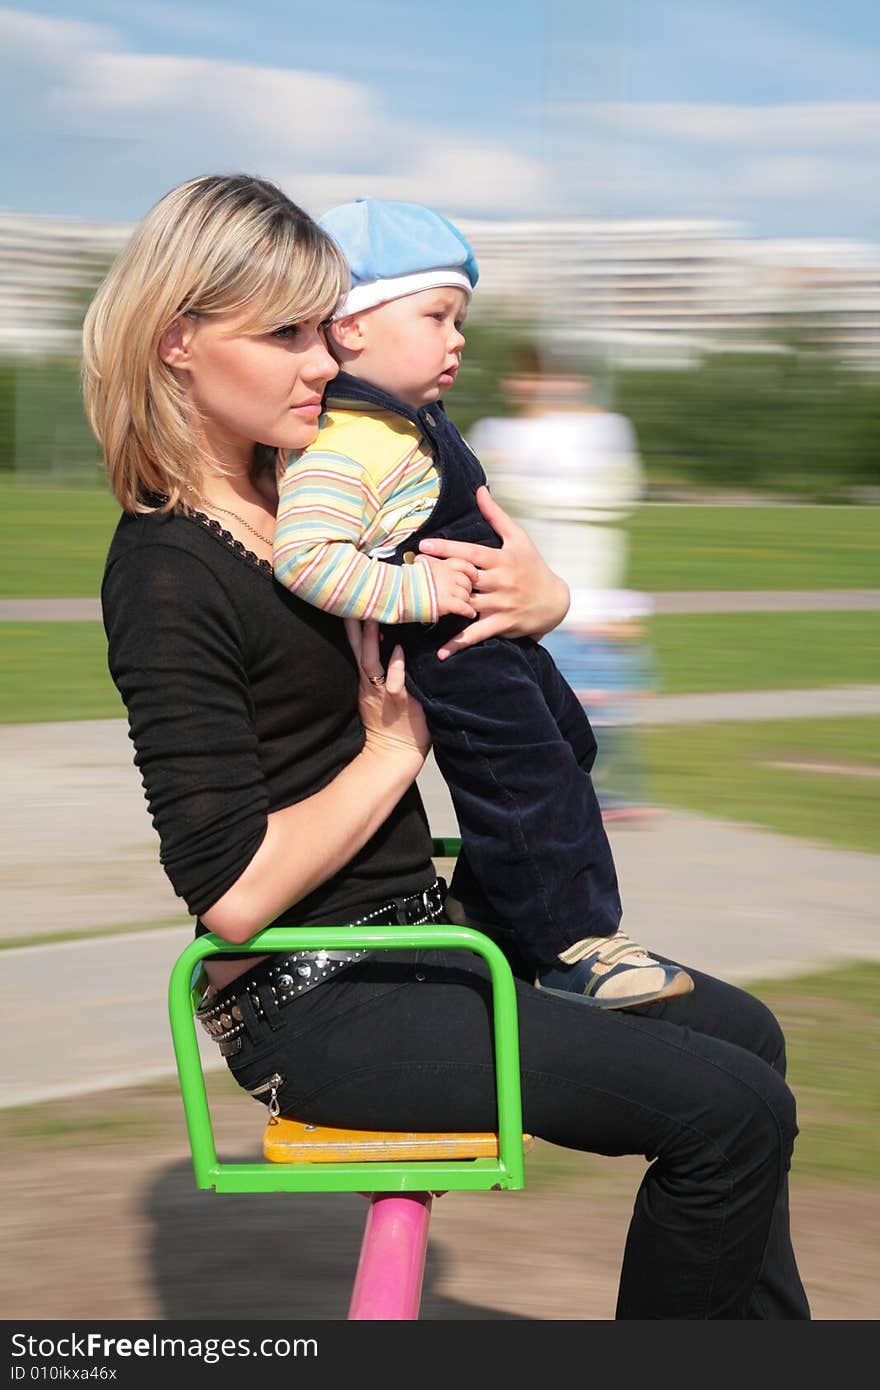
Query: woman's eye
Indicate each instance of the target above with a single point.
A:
(288, 331)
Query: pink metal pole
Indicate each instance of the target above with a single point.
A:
(388, 1283)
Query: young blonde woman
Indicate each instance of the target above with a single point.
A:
(280, 767)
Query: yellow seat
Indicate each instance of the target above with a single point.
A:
(291, 1141)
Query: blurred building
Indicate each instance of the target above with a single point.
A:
(644, 290)
(829, 290)
(664, 291)
(48, 267)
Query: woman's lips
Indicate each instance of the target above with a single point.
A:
(309, 411)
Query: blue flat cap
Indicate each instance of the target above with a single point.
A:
(394, 249)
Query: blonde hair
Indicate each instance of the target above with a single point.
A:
(217, 244)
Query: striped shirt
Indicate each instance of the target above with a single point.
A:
(345, 504)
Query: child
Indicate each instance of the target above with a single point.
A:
(509, 736)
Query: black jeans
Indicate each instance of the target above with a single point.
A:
(696, 1084)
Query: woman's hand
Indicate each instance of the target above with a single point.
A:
(392, 719)
(516, 593)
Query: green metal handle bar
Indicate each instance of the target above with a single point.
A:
(481, 1174)
(445, 847)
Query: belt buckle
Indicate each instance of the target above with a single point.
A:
(403, 909)
(423, 904)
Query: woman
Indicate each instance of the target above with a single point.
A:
(280, 771)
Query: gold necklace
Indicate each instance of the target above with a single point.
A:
(246, 524)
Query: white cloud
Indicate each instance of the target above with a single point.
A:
(33, 35)
(485, 177)
(793, 166)
(104, 131)
(826, 123)
(208, 103)
(147, 121)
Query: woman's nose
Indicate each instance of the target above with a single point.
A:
(321, 364)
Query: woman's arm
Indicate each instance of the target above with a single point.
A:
(307, 843)
(177, 654)
(516, 594)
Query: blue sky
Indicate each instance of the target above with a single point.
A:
(765, 114)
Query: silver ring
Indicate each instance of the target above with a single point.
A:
(376, 680)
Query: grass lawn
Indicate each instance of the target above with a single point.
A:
(59, 670)
(732, 770)
(53, 543)
(55, 671)
(50, 938)
(764, 651)
(831, 1024)
(754, 547)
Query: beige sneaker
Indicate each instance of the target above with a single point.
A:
(613, 972)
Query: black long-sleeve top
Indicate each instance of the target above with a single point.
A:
(241, 700)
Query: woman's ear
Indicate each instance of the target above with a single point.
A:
(174, 343)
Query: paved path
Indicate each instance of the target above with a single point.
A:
(78, 850)
(758, 704)
(91, 1015)
(34, 610)
(50, 610)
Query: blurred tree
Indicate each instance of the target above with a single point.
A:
(44, 434)
(790, 419)
(7, 414)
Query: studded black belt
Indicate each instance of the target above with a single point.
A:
(277, 980)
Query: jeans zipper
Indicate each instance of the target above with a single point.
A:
(275, 1082)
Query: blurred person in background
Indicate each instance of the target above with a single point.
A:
(569, 471)
(280, 771)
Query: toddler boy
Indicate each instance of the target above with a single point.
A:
(510, 738)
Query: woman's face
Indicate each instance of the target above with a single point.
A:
(250, 390)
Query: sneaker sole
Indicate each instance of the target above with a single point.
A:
(681, 983)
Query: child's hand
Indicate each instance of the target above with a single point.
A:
(453, 581)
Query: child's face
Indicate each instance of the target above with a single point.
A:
(412, 347)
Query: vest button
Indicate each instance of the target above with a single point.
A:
(409, 557)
